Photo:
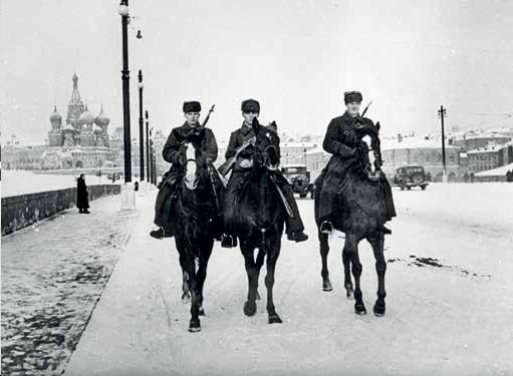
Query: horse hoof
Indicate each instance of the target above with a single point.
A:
(201, 311)
(275, 319)
(186, 298)
(250, 308)
(379, 309)
(359, 309)
(349, 295)
(326, 286)
(194, 326)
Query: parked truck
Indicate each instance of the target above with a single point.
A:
(299, 178)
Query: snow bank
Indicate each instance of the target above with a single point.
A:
(25, 182)
(500, 171)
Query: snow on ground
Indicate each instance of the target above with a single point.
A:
(18, 182)
(485, 206)
(447, 315)
(52, 275)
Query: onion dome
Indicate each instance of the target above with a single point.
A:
(102, 120)
(86, 117)
(55, 117)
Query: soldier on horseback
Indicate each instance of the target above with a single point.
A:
(240, 151)
(174, 152)
(342, 143)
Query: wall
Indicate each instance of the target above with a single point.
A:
(22, 211)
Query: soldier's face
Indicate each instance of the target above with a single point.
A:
(249, 116)
(192, 117)
(353, 108)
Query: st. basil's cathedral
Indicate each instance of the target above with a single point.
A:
(83, 142)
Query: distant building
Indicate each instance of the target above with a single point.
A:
(489, 157)
(316, 160)
(80, 144)
(159, 140)
(295, 152)
(423, 152)
(476, 140)
(19, 156)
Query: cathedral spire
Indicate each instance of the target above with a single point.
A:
(75, 95)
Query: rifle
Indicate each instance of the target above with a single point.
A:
(230, 162)
(366, 108)
(208, 116)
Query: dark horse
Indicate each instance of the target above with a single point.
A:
(193, 219)
(361, 214)
(260, 217)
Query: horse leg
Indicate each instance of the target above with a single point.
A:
(186, 295)
(325, 249)
(250, 306)
(377, 244)
(205, 252)
(348, 283)
(259, 262)
(194, 323)
(351, 251)
(274, 318)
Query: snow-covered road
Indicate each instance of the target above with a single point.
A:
(454, 319)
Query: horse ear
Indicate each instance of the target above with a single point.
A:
(255, 125)
(273, 126)
(378, 126)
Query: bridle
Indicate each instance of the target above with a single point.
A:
(374, 147)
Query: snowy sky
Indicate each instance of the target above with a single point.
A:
(296, 57)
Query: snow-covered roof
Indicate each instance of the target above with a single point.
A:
(414, 143)
(500, 171)
(486, 149)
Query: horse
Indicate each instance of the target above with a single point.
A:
(260, 217)
(193, 220)
(362, 214)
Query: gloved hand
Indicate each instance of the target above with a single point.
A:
(350, 138)
(182, 159)
(246, 163)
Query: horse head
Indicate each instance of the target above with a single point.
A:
(191, 168)
(368, 133)
(267, 146)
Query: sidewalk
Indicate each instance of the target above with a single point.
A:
(52, 276)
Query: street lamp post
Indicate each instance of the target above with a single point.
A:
(442, 112)
(141, 127)
(152, 158)
(148, 163)
(125, 76)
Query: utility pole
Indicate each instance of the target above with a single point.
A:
(141, 128)
(148, 160)
(442, 112)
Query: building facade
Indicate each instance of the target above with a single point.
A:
(489, 157)
(82, 142)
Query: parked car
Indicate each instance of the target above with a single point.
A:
(299, 178)
(411, 176)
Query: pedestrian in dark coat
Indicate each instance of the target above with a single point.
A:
(341, 142)
(251, 109)
(174, 152)
(82, 195)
